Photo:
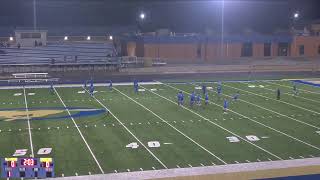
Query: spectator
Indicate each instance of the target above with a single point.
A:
(52, 60)
(19, 45)
(76, 58)
(35, 43)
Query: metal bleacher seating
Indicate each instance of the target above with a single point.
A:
(59, 53)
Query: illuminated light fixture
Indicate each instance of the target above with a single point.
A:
(110, 37)
(89, 38)
(10, 38)
(296, 15)
(66, 38)
(142, 16)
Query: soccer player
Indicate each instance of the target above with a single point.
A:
(180, 98)
(206, 98)
(225, 105)
(135, 86)
(110, 85)
(219, 90)
(51, 88)
(295, 90)
(192, 98)
(91, 90)
(235, 97)
(85, 84)
(198, 100)
(204, 89)
(278, 94)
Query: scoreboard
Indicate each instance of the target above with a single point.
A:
(27, 167)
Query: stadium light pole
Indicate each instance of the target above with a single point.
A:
(34, 15)
(222, 28)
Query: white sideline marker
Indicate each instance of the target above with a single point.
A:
(236, 162)
(141, 169)
(291, 157)
(153, 168)
(201, 164)
(28, 118)
(94, 157)
(178, 166)
(189, 165)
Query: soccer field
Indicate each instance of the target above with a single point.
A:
(122, 131)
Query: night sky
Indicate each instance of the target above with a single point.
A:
(179, 15)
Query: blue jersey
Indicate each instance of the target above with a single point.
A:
(192, 97)
(198, 98)
(179, 96)
(110, 84)
(225, 104)
(206, 97)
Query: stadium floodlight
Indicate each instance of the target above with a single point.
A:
(110, 37)
(66, 38)
(296, 15)
(142, 16)
(10, 38)
(88, 38)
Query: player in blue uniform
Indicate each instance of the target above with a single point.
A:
(225, 105)
(85, 84)
(51, 88)
(278, 94)
(204, 89)
(135, 86)
(219, 90)
(235, 97)
(192, 98)
(206, 98)
(180, 98)
(91, 89)
(295, 89)
(110, 85)
(198, 99)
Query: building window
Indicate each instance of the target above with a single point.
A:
(267, 49)
(283, 49)
(301, 50)
(246, 50)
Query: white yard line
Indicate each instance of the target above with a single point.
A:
(290, 104)
(303, 142)
(295, 96)
(302, 122)
(74, 122)
(125, 127)
(28, 118)
(300, 89)
(221, 127)
(172, 126)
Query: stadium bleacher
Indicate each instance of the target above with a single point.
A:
(58, 52)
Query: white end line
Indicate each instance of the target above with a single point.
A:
(94, 157)
(130, 131)
(28, 118)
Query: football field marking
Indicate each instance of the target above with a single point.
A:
(303, 142)
(221, 127)
(302, 122)
(172, 126)
(277, 100)
(125, 127)
(300, 89)
(28, 119)
(74, 122)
